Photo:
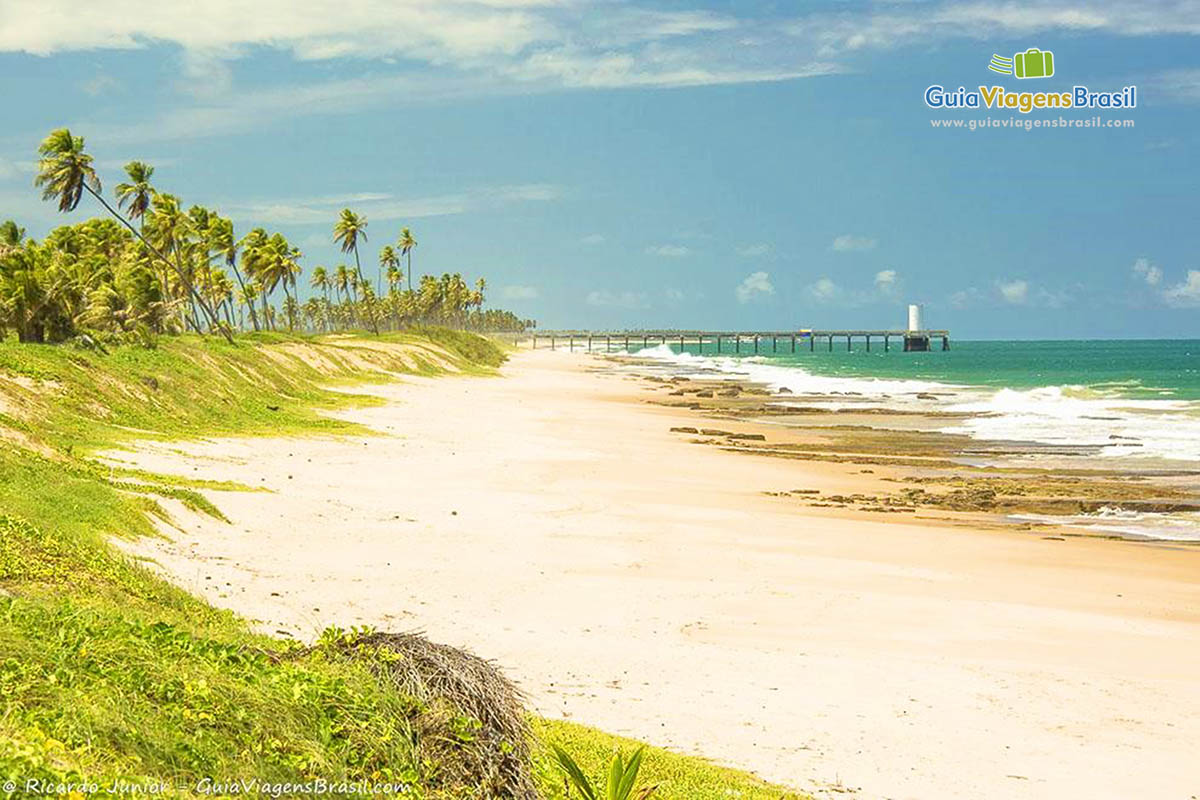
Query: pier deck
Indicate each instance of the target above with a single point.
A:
(753, 341)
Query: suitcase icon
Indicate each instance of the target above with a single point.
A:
(1034, 63)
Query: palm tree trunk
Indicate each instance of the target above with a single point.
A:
(238, 274)
(362, 281)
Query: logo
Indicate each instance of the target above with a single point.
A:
(1033, 63)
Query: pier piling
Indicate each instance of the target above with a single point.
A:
(917, 341)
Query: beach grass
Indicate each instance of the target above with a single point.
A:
(677, 777)
(109, 673)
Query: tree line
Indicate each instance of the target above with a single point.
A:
(151, 268)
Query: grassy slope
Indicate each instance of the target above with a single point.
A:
(108, 672)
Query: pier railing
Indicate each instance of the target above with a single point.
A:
(736, 342)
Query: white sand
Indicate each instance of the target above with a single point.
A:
(633, 581)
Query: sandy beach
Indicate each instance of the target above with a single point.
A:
(629, 579)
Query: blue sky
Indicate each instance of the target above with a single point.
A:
(682, 164)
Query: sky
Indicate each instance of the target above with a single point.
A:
(684, 164)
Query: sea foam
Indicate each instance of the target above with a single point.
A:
(1094, 417)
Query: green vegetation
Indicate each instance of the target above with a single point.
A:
(620, 781)
(108, 673)
(152, 268)
(674, 777)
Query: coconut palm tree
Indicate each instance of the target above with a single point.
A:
(11, 236)
(388, 261)
(137, 193)
(341, 281)
(65, 172)
(247, 296)
(256, 258)
(349, 228)
(394, 277)
(320, 281)
(480, 288)
(222, 241)
(406, 244)
(169, 230)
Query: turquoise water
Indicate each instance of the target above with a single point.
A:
(1146, 369)
(1119, 404)
(1123, 399)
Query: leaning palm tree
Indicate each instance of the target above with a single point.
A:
(65, 172)
(222, 241)
(407, 243)
(349, 229)
(137, 193)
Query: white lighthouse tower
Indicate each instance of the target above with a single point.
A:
(916, 339)
(914, 318)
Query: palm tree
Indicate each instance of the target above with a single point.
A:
(388, 261)
(65, 172)
(394, 277)
(247, 297)
(11, 236)
(341, 281)
(138, 192)
(349, 229)
(313, 313)
(169, 230)
(407, 243)
(256, 259)
(320, 280)
(221, 239)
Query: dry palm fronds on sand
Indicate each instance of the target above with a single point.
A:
(470, 724)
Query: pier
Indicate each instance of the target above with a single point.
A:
(738, 342)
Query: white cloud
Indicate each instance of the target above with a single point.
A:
(416, 51)
(824, 289)
(1015, 292)
(1180, 85)
(99, 84)
(887, 282)
(317, 29)
(756, 284)
(894, 25)
(668, 250)
(538, 43)
(593, 238)
(674, 295)
(382, 206)
(965, 298)
(603, 298)
(206, 73)
(15, 169)
(519, 292)
(848, 243)
(1185, 294)
(754, 250)
(1149, 273)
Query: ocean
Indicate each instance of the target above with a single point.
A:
(1134, 405)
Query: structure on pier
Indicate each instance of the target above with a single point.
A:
(737, 342)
